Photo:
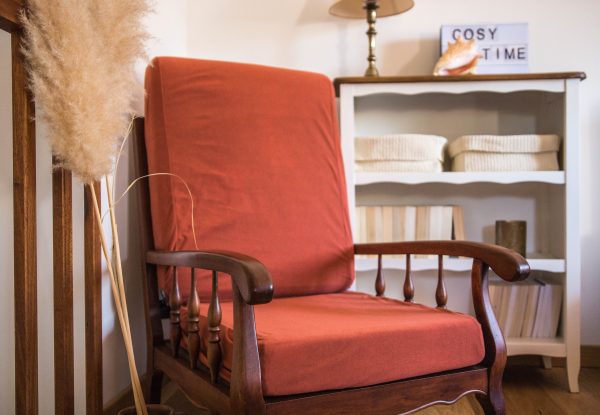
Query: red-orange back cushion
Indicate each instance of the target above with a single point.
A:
(259, 148)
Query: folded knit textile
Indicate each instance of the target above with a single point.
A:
(408, 166)
(400, 153)
(480, 161)
(527, 152)
(524, 143)
(400, 147)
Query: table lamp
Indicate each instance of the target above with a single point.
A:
(356, 9)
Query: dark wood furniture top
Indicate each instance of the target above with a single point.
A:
(462, 78)
(9, 14)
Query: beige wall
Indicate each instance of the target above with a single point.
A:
(301, 34)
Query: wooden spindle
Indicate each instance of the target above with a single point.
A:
(175, 304)
(64, 373)
(93, 304)
(25, 239)
(214, 328)
(379, 280)
(193, 323)
(441, 297)
(409, 288)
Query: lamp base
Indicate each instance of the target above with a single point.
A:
(371, 71)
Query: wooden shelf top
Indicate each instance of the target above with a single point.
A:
(462, 78)
(9, 14)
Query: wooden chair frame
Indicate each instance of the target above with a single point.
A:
(252, 285)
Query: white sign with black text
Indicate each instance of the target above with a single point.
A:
(504, 47)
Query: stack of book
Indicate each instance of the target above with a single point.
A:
(409, 223)
(530, 309)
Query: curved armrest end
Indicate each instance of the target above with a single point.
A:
(249, 275)
(509, 265)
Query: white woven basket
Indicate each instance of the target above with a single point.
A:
(525, 143)
(405, 147)
(480, 161)
(388, 166)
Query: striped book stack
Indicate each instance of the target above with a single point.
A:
(409, 223)
(528, 309)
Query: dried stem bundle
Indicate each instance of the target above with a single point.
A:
(81, 56)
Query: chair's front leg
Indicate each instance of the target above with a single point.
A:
(154, 334)
(246, 392)
(495, 347)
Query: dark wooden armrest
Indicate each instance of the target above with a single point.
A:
(252, 285)
(249, 275)
(509, 265)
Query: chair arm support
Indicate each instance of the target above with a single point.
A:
(509, 265)
(249, 275)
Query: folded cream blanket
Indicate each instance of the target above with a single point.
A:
(413, 147)
(406, 166)
(480, 161)
(525, 143)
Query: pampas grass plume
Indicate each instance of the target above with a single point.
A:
(81, 56)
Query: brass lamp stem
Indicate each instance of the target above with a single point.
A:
(356, 9)
(371, 8)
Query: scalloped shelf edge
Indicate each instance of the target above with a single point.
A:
(551, 177)
(451, 264)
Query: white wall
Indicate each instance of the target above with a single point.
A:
(168, 29)
(301, 34)
(7, 306)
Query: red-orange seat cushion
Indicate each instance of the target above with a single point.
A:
(335, 341)
(260, 150)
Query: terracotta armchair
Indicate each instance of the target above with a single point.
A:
(262, 321)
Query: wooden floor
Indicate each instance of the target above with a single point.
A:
(528, 391)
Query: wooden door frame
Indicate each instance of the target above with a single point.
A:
(25, 258)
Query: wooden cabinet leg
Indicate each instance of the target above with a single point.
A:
(573, 367)
(547, 362)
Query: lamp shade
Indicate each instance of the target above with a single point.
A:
(355, 9)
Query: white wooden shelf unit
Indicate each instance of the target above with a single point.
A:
(484, 104)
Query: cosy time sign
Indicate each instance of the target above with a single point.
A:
(504, 47)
